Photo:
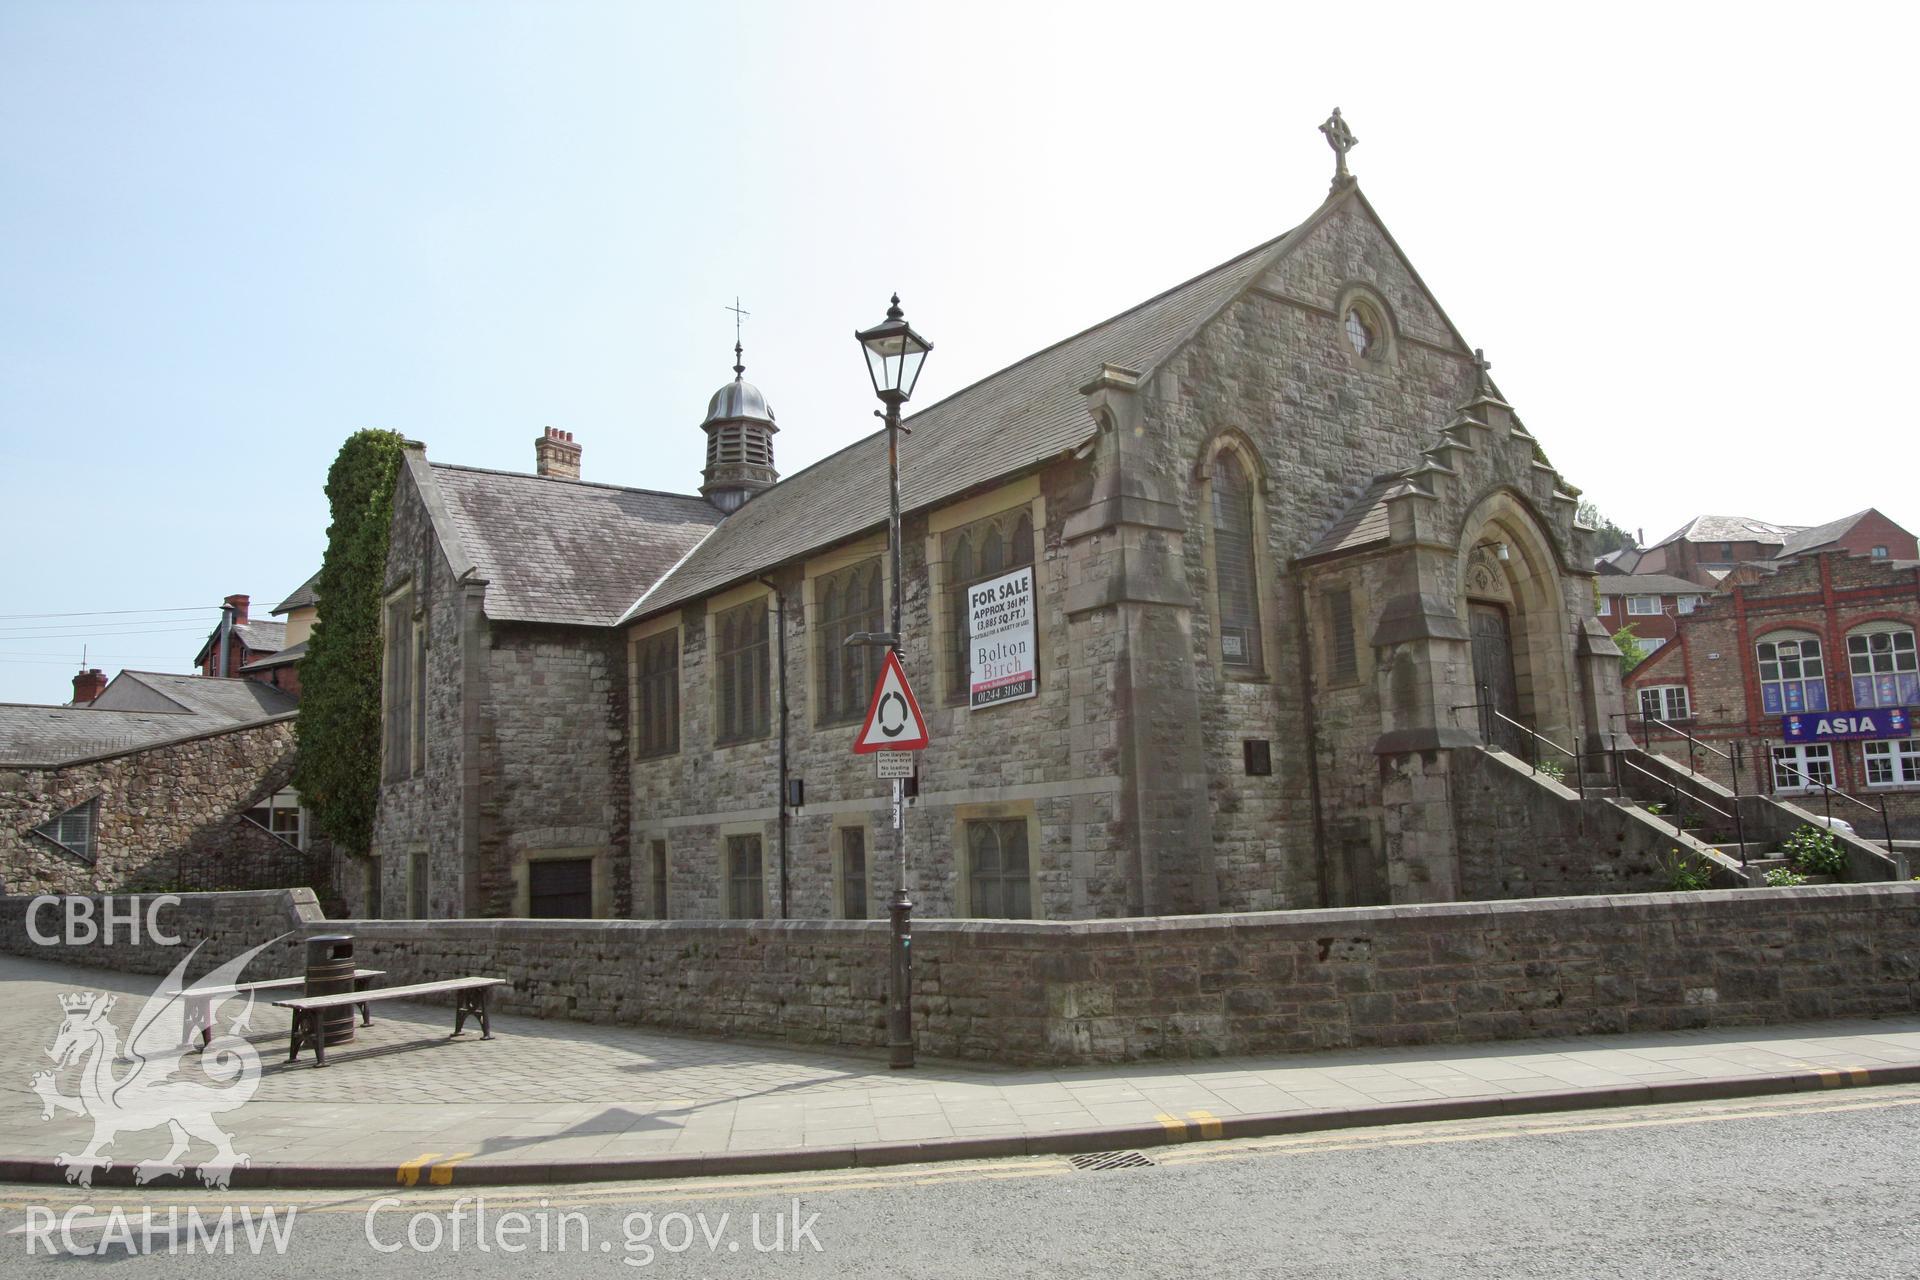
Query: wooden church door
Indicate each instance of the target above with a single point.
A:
(1493, 676)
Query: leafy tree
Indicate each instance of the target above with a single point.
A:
(1607, 536)
(338, 769)
(1632, 652)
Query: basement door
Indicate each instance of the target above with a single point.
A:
(560, 889)
(1493, 677)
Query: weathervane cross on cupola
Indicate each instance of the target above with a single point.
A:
(739, 314)
(1341, 139)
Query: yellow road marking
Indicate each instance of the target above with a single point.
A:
(1308, 1145)
(1208, 1123)
(408, 1174)
(441, 1175)
(1176, 1127)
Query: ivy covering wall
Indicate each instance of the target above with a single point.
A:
(338, 770)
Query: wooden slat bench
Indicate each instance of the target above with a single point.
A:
(470, 1001)
(196, 1014)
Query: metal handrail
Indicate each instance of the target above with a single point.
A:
(1828, 792)
(1646, 720)
(1536, 737)
(1680, 799)
(1830, 789)
(1674, 790)
(1535, 734)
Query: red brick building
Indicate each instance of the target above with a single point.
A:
(1812, 673)
(239, 641)
(1651, 603)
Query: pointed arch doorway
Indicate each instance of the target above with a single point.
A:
(1514, 603)
(1491, 627)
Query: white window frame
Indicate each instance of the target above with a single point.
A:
(1802, 756)
(1802, 677)
(1634, 604)
(1879, 553)
(82, 819)
(1894, 659)
(277, 806)
(1686, 604)
(1666, 697)
(1901, 760)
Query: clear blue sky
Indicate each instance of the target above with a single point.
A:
(232, 234)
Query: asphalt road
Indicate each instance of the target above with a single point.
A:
(1817, 1185)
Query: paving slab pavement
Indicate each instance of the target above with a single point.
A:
(561, 1101)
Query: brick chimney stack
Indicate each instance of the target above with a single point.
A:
(556, 455)
(239, 606)
(88, 685)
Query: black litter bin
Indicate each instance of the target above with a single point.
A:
(330, 973)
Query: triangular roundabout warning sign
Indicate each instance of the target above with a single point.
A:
(894, 722)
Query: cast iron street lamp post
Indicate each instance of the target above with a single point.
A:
(894, 355)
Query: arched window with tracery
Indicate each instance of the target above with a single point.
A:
(848, 601)
(975, 553)
(1235, 567)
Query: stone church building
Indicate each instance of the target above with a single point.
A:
(1288, 543)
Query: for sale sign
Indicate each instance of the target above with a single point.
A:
(1000, 646)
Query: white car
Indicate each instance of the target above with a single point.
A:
(1834, 824)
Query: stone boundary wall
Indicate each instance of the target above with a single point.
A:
(1527, 836)
(1169, 987)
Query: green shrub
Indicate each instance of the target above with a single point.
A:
(1815, 851)
(1681, 874)
(1552, 769)
(1654, 807)
(1784, 878)
(1632, 652)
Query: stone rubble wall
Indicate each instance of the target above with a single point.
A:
(424, 813)
(168, 815)
(1170, 987)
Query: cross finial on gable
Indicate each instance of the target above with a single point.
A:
(1480, 366)
(739, 314)
(1341, 139)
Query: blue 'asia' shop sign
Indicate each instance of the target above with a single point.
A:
(1827, 726)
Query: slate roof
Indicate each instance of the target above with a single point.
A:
(260, 637)
(1621, 560)
(1363, 523)
(284, 657)
(1728, 529)
(1805, 540)
(304, 597)
(230, 698)
(203, 704)
(1646, 584)
(565, 551)
(1012, 420)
